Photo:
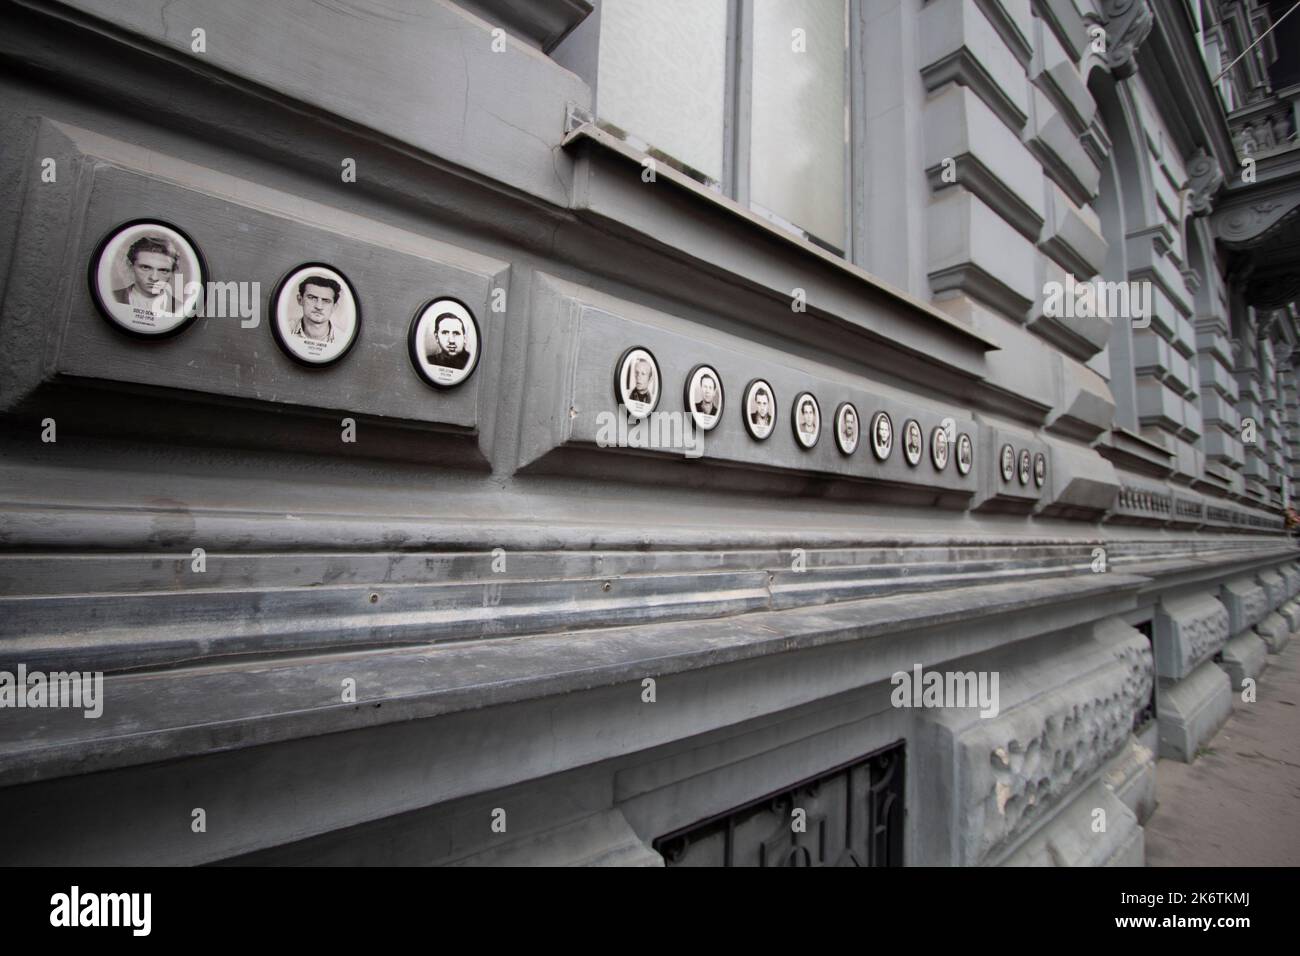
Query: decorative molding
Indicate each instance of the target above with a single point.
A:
(1204, 179)
(1127, 23)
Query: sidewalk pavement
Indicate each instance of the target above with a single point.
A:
(1238, 803)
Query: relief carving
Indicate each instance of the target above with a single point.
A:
(1023, 763)
(1127, 24)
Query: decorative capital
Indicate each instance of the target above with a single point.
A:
(1204, 179)
(1127, 22)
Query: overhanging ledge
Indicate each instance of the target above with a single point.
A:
(932, 331)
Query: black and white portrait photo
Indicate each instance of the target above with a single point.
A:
(913, 439)
(939, 448)
(1040, 469)
(704, 397)
(759, 409)
(1008, 460)
(147, 278)
(846, 428)
(444, 342)
(965, 454)
(1024, 466)
(636, 383)
(882, 435)
(807, 419)
(316, 316)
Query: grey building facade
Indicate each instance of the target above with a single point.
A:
(348, 613)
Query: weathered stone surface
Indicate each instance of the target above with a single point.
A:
(1187, 632)
(1246, 655)
(1275, 631)
(1070, 839)
(1290, 612)
(1291, 575)
(1246, 601)
(1131, 776)
(1015, 769)
(1192, 710)
(1275, 586)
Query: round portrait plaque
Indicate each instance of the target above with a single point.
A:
(807, 421)
(444, 342)
(759, 409)
(147, 278)
(704, 397)
(315, 314)
(636, 382)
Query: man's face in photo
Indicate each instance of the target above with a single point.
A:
(760, 404)
(317, 302)
(850, 425)
(807, 414)
(706, 390)
(882, 431)
(641, 374)
(451, 336)
(152, 272)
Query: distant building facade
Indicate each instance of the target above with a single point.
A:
(691, 432)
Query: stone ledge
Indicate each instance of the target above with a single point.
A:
(1246, 655)
(1276, 632)
(1191, 711)
(1188, 631)
(1069, 839)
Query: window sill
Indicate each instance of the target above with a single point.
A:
(897, 322)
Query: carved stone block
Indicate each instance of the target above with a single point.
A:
(1188, 631)
(1246, 601)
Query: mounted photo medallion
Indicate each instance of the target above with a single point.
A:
(912, 442)
(1040, 469)
(807, 420)
(315, 314)
(939, 448)
(1024, 466)
(444, 342)
(147, 278)
(759, 409)
(1008, 460)
(847, 430)
(636, 382)
(965, 454)
(882, 435)
(704, 397)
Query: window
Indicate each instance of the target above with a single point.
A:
(749, 96)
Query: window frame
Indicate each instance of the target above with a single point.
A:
(737, 118)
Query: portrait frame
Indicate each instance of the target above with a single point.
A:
(1040, 470)
(298, 350)
(939, 448)
(698, 372)
(912, 428)
(799, 400)
(841, 410)
(756, 384)
(428, 371)
(964, 442)
(882, 452)
(1026, 466)
(1007, 462)
(115, 244)
(636, 409)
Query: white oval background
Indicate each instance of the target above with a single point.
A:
(425, 335)
(288, 313)
(113, 273)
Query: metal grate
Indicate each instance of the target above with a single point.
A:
(852, 816)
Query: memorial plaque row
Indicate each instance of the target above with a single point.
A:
(150, 280)
(637, 387)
